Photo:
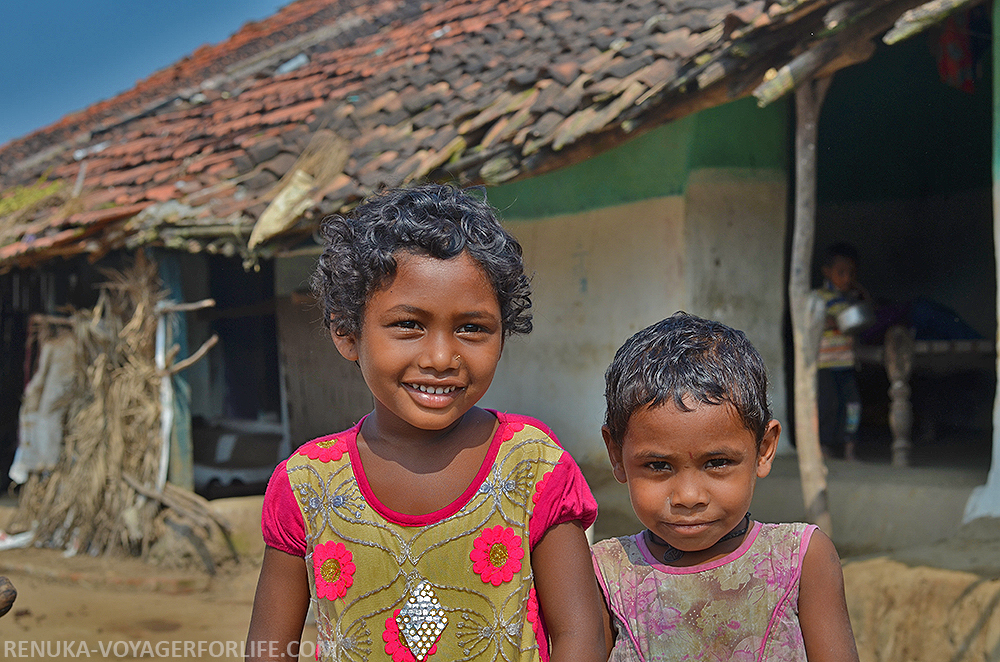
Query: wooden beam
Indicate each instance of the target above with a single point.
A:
(922, 17)
(844, 13)
(806, 66)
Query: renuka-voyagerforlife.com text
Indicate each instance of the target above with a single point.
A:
(58, 649)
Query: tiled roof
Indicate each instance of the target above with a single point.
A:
(386, 92)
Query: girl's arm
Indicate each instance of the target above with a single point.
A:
(279, 607)
(826, 626)
(609, 629)
(568, 595)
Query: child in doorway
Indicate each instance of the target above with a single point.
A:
(432, 529)
(689, 430)
(837, 387)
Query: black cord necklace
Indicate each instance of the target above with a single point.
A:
(672, 553)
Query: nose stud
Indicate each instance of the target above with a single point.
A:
(457, 359)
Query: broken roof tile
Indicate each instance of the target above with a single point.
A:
(207, 159)
(280, 164)
(262, 149)
(162, 193)
(564, 72)
(341, 189)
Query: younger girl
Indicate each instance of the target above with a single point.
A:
(688, 429)
(432, 529)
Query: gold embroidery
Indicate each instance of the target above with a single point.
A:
(330, 570)
(498, 555)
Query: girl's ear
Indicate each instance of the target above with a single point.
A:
(346, 344)
(768, 447)
(615, 455)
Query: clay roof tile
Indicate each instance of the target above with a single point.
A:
(411, 86)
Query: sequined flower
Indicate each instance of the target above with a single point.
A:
(325, 450)
(395, 647)
(333, 570)
(539, 486)
(497, 555)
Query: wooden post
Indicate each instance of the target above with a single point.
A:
(899, 366)
(806, 310)
(985, 499)
(176, 453)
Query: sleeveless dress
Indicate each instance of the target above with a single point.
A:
(452, 585)
(743, 606)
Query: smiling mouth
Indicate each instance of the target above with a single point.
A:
(433, 390)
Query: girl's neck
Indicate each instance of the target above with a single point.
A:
(393, 440)
(418, 474)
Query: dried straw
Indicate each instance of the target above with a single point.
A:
(112, 427)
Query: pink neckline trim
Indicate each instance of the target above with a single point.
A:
(430, 518)
(640, 541)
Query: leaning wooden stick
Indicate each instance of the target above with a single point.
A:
(7, 595)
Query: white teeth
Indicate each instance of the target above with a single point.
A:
(434, 390)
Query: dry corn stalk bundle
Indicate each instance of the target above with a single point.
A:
(112, 427)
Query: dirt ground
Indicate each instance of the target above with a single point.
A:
(935, 603)
(108, 606)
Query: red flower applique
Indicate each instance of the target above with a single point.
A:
(325, 450)
(496, 555)
(395, 647)
(333, 570)
(536, 624)
(532, 606)
(539, 487)
(511, 429)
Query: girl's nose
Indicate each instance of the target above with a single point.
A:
(439, 354)
(687, 493)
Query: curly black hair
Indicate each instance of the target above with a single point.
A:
(687, 356)
(438, 220)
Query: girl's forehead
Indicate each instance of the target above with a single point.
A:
(416, 264)
(429, 276)
(705, 425)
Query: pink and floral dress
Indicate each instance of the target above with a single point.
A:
(451, 585)
(742, 607)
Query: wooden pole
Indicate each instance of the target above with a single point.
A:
(807, 310)
(985, 499)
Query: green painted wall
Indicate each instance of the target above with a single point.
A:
(891, 129)
(656, 164)
(741, 135)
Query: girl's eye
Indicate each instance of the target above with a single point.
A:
(406, 324)
(471, 328)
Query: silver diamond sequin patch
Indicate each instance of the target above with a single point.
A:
(421, 620)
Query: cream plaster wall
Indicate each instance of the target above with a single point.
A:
(598, 277)
(735, 238)
(602, 275)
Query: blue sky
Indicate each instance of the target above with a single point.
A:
(58, 56)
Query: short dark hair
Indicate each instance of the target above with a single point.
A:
(687, 356)
(839, 249)
(438, 220)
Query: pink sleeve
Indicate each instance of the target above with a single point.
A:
(562, 495)
(280, 519)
